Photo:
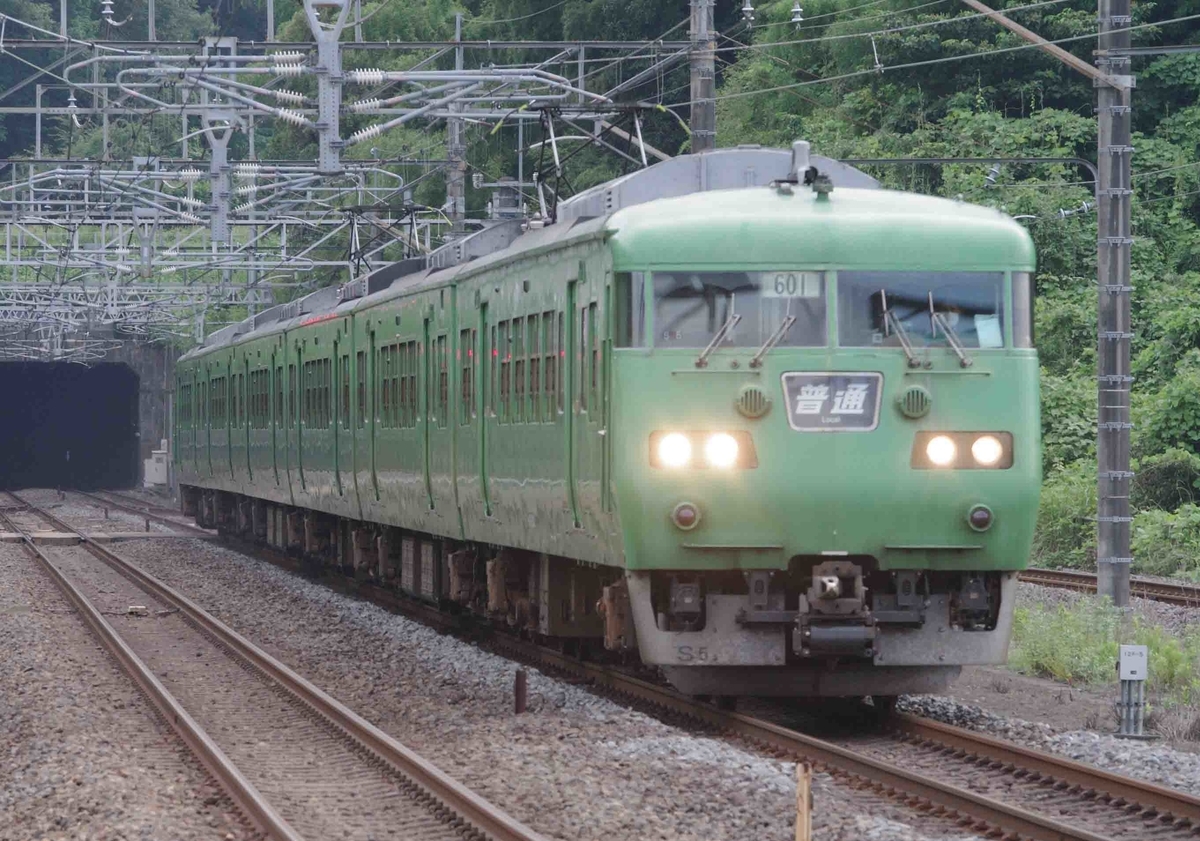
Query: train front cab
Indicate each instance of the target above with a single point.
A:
(830, 494)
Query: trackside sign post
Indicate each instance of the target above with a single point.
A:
(1132, 668)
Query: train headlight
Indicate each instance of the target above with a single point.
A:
(962, 451)
(721, 450)
(674, 450)
(941, 450)
(987, 450)
(702, 450)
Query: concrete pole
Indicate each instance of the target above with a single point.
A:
(62, 17)
(704, 81)
(150, 31)
(270, 20)
(456, 170)
(1114, 196)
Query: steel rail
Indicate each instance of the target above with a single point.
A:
(894, 780)
(1187, 595)
(243, 793)
(1165, 801)
(147, 511)
(491, 821)
(909, 787)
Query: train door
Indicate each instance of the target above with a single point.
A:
(245, 386)
(206, 388)
(302, 386)
(484, 386)
(277, 421)
(427, 399)
(345, 430)
(372, 388)
(570, 388)
(335, 393)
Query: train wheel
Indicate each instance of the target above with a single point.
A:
(883, 707)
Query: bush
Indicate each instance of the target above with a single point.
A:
(1167, 480)
(1168, 543)
(1171, 418)
(1079, 644)
(1066, 528)
(1068, 419)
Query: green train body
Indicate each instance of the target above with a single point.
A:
(501, 432)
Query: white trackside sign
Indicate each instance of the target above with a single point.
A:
(1134, 662)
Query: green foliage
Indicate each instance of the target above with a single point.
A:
(1068, 419)
(1166, 480)
(1066, 528)
(1079, 644)
(1171, 419)
(1168, 543)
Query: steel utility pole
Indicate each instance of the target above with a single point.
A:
(456, 169)
(704, 80)
(1114, 194)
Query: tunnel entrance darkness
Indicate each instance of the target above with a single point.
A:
(68, 426)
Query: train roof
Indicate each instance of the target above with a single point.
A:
(848, 228)
(654, 216)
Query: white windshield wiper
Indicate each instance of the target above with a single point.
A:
(936, 320)
(774, 339)
(891, 322)
(702, 359)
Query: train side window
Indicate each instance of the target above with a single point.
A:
(345, 401)
(593, 355)
(443, 363)
(305, 394)
(1022, 295)
(518, 414)
(408, 387)
(629, 318)
(560, 385)
(292, 393)
(548, 365)
(327, 393)
(394, 385)
(535, 365)
(584, 343)
(493, 361)
(466, 361)
(385, 372)
(414, 357)
(505, 371)
(361, 379)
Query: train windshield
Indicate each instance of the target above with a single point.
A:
(747, 309)
(872, 304)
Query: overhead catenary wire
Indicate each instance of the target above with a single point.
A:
(890, 30)
(935, 61)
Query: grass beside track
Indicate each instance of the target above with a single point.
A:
(1077, 643)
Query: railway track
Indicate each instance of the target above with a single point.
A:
(155, 513)
(298, 764)
(988, 785)
(1035, 795)
(1187, 595)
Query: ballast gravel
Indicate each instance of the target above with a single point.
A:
(88, 516)
(1172, 618)
(82, 754)
(1148, 761)
(576, 766)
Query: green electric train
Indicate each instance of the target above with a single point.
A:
(743, 412)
